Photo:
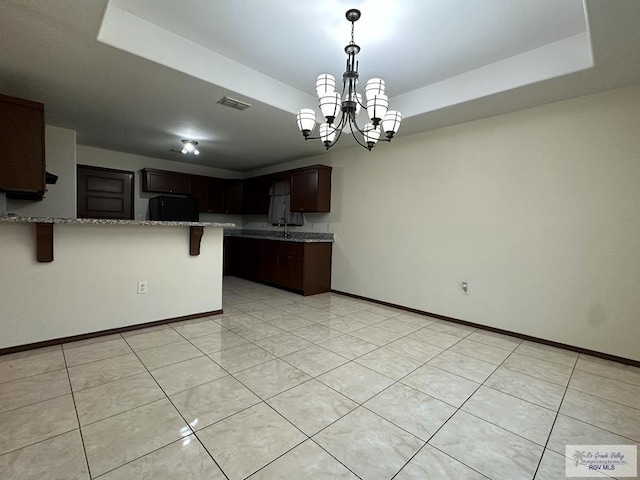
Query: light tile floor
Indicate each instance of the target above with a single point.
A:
(324, 387)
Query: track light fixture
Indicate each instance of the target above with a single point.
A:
(189, 146)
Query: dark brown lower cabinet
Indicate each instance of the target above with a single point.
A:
(297, 266)
(290, 271)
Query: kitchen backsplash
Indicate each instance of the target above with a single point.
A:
(313, 222)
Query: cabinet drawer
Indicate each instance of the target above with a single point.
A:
(291, 248)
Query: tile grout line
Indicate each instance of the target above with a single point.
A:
(458, 409)
(268, 405)
(106, 383)
(31, 376)
(39, 441)
(193, 432)
(604, 376)
(264, 400)
(75, 408)
(398, 381)
(37, 402)
(555, 420)
(433, 366)
(602, 398)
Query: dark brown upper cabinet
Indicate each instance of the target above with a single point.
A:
(210, 193)
(104, 193)
(311, 189)
(22, 159)
(160, 181)
(233, 196)
(256, 195)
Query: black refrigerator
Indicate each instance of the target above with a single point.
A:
(173, 209)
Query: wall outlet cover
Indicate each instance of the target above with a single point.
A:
(143, 287)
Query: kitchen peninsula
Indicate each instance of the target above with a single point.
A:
(92, 283)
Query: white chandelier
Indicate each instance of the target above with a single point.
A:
(349, 104)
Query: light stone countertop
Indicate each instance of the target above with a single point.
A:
(104, 221)
(299, 237)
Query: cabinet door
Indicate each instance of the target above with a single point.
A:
(268, 261)
(311, 190)
(160, 181)
(104, 193)
(22, 160)
(246, 257)
(256, 195)
(231, 257)
(233, 196)
(290, 271)
(304, 187)
(216, 194)
(200, 190)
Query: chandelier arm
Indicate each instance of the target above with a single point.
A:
(342, 125)
(351, 123)
(355, 123)
(380, 139)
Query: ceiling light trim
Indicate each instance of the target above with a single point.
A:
(560, 58)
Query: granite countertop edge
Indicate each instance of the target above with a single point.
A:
(105, 221)
(298, 237)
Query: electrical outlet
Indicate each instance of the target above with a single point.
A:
(465, 288)
(143, 287)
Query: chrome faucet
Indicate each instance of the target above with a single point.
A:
(283, 223)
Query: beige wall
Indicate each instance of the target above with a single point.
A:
(125, 161)
(92, 283)
(60, 199)
(539, 210)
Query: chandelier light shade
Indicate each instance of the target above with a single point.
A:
(306, 121)
(189, 147)
(340, 110)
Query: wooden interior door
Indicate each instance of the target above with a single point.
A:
(105, 193)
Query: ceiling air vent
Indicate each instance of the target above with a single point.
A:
(233, 103)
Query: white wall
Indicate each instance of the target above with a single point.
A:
(60, 199)
(125, 161)
(538, 209)
(91, 284)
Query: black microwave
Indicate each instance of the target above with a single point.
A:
(173, 209)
